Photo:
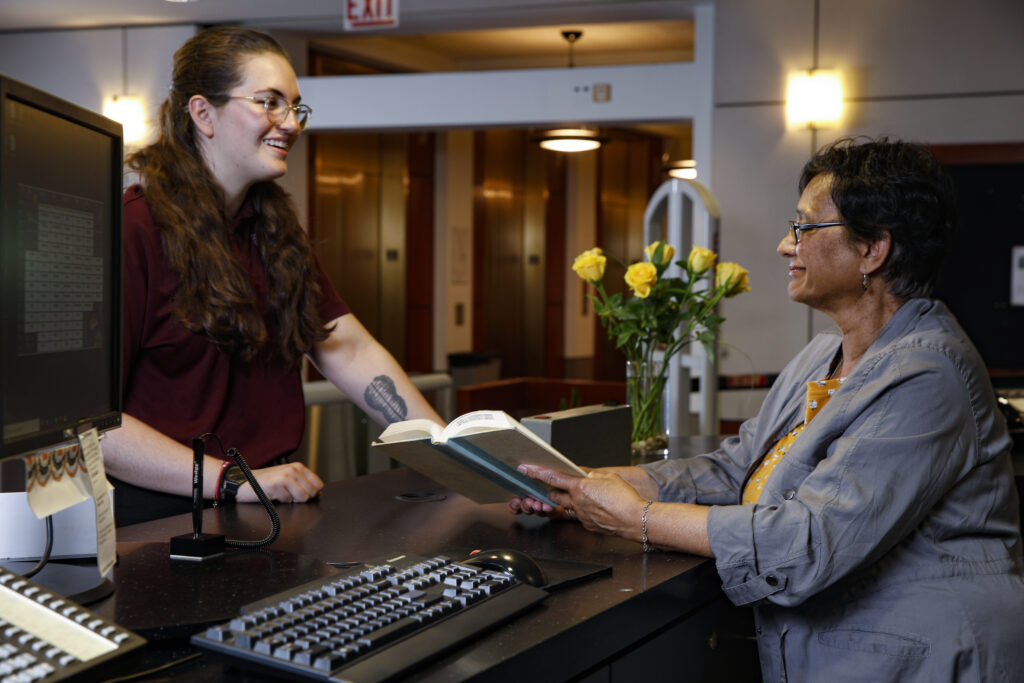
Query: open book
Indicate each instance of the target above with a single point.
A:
(475, 455)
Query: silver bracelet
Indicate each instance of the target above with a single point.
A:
(643, 528)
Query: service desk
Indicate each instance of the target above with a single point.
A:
(656, 616)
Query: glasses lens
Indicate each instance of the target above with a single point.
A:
(277, 110)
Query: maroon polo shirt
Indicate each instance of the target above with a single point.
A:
(183, 385)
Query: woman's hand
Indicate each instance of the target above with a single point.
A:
(292, 482)
(612, 500)
(601, 501)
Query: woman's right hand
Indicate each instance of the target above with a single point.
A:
(291, 482)
(634, 476)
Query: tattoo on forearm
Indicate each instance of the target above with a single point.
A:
(382, 395)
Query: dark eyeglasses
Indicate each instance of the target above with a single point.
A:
(277, 109)
(797, 228)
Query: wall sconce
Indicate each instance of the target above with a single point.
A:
(570, 139)
(127, 111)
(814, 98)
(685, 169)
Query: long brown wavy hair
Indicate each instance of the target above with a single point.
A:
(215, 295)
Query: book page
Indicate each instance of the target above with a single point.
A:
(478, 421)
(410, 430)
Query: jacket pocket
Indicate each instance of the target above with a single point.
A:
(863, 639)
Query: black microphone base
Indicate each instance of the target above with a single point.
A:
(197, 547)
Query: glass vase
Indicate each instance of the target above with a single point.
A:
(645, 393)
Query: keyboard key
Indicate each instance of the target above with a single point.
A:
(219, 633)
(389, 633)
(287, 651)
(243, 623)
(330, 661)
(244, 639)
(308, 656)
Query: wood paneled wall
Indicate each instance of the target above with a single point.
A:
(372, 225)
(628, 173)
(519, 251)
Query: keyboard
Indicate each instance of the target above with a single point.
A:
(44, 637)
(371, 622)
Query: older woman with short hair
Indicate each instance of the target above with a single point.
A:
(868, 512)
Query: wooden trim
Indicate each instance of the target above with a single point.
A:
(419, 249)
(479, 232)
(555, 248)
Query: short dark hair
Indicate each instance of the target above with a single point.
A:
(896, 187)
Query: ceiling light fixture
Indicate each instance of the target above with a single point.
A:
(576, 138)
(570, 139)
(571, 37)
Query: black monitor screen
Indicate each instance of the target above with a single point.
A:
(60, 244)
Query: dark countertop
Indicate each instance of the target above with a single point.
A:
(369, 517)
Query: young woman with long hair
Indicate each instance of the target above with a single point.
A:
(223, 295)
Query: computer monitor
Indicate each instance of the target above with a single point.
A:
(60, 270)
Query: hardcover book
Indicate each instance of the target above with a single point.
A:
(476, 455)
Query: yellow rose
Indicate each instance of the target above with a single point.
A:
(590, 265)
(667, 252)
(701, 259)
(641, 277)
(732, 277)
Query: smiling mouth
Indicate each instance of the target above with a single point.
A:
(277, 144)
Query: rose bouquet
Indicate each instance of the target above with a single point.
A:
(662, 316)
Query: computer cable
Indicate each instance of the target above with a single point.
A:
(46, 550)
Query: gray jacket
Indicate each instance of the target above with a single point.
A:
(886, 543)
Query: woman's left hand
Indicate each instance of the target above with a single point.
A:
(601, 501)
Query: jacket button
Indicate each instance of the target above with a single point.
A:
(789, 494)
(759, 631)
(772, 580)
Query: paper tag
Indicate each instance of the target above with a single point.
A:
(55, 480)
(106, 552)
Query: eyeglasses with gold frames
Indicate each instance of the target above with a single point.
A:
(277, 109)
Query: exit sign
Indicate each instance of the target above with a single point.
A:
(362, 14)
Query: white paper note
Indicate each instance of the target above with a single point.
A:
(106, 551)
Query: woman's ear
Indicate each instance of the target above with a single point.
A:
(201, 111)
(876, 252)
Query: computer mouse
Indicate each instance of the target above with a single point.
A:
(515, 562)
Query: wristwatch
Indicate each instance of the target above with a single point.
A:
(231, 478)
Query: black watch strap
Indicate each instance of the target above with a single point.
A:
(231, 479)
